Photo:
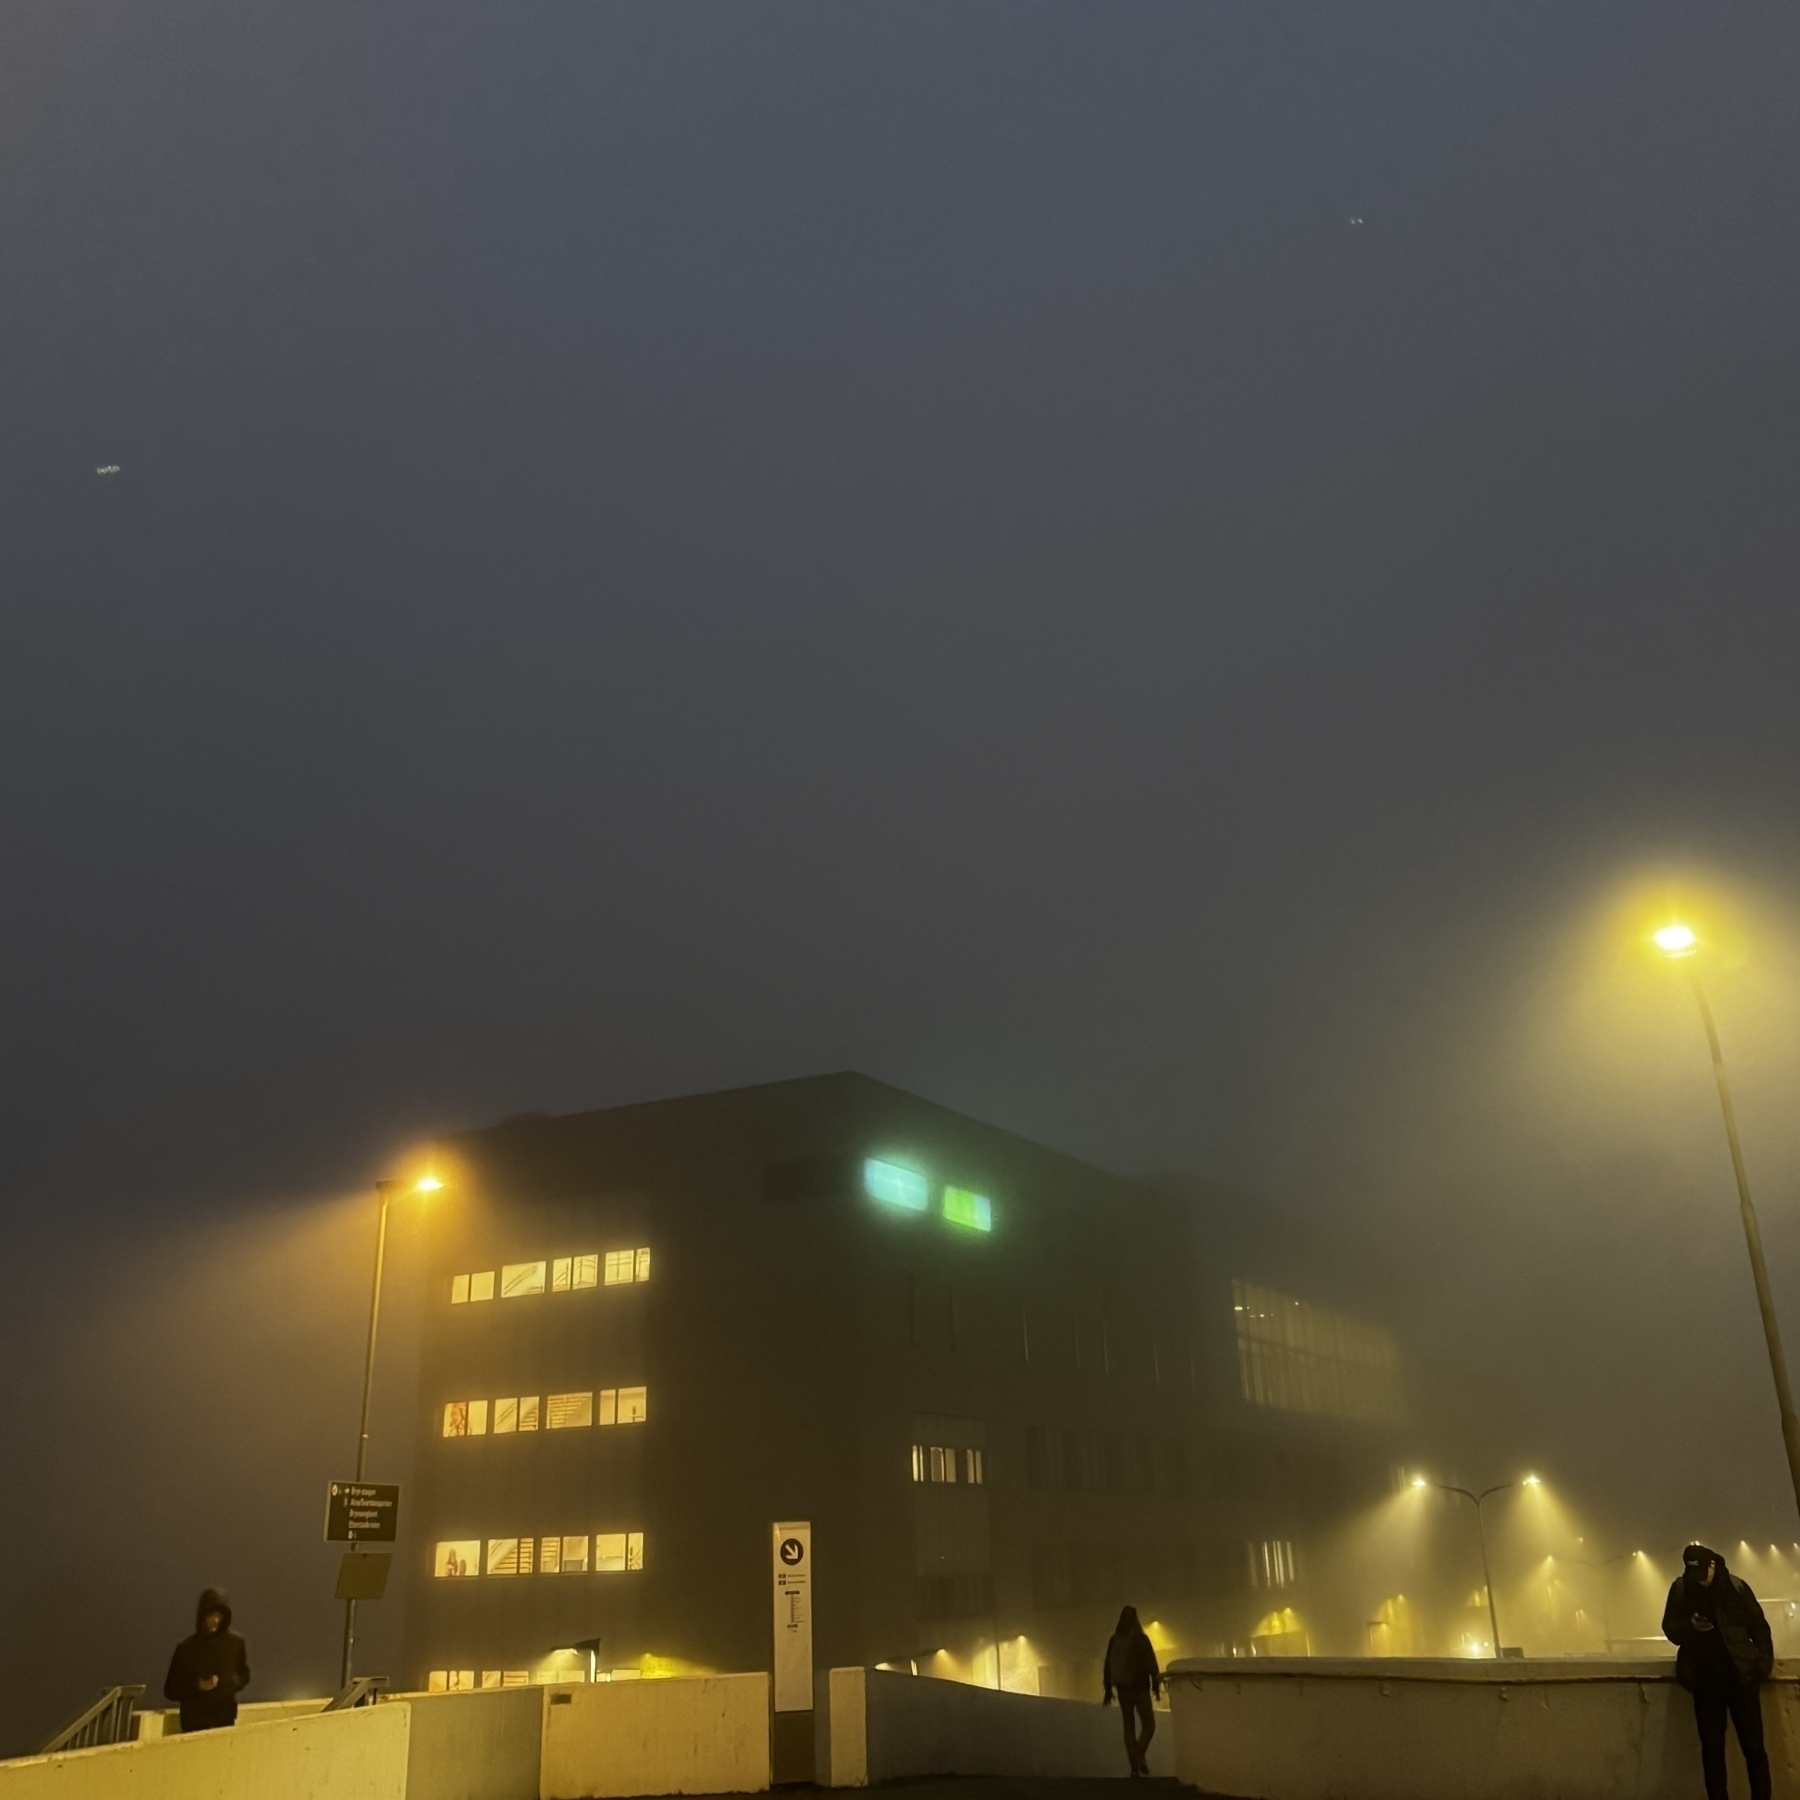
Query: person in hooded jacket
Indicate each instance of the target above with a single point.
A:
(210, 1669)
(1132, 1671)
(1724, 1653)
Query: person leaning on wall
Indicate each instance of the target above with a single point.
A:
(1724, 1653)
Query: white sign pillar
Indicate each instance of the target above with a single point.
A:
(791, 1564)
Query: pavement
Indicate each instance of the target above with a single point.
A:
(995, 1787)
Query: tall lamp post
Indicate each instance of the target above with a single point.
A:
(1679, 944)
(1478, 1501)
(384, 1194)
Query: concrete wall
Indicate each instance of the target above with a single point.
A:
(703, 1734)
(349, 1756)
(883, 1726)
(484, 1745)
(165, 1721)
(1422, 1729)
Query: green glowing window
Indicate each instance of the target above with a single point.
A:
(961, 1207)
(897, 1186)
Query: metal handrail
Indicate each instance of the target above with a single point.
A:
(362, 1690)
(107, 1721)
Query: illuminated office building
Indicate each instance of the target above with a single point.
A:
(1011, 1392)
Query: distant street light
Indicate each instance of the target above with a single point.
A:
(1477, 1500)
(1679, 944)
(384, 1192)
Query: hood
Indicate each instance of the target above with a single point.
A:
(212, 1601)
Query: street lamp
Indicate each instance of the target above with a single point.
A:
(1679, 944)
(1477, 1501)
(384, 1193)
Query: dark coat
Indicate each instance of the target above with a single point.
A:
(1742, 1633)
(221, 1653)
(1131, 1663)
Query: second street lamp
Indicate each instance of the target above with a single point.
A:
(1680, 944)
(1477, 1501)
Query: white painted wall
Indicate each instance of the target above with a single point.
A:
(701, 1734)
(357, 1755)
(1274, 1728)
(165, 1721)
(884, 1725)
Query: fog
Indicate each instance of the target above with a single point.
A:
(1188, 581)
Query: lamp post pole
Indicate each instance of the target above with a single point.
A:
(1487, 1580)
(385, 1191)
(1765, 1298)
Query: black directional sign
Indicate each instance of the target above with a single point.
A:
(792, 1551)
(358, 1512)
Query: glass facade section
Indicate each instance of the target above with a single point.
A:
(1294, 1357)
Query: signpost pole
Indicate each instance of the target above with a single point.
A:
(793, 1684)
(384, 1192)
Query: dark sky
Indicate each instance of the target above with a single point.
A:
(1152, 571)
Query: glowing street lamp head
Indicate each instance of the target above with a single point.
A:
(427, 1184)
(1419, 1481)
(1533, 1481)
(1676, 940)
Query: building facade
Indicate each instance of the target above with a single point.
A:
(1010, 1391)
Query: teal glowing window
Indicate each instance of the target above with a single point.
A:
(964, 1208)
(896, 1186)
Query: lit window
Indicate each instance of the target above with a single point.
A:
(634, 1550)
(895, 1186)
(521, 1278)
(528, 1412)
(456, 1418)
(477, 1418)
(609, 1553)
(567, 1411)
(574, 1555)
(459, 1295)
(586, 1272)
(973, 1472)
(438, 1681)
(643, 1263)
(559, 1275)
(609, 1406)
(481, 1286)
(490, 1678)
(634, 1405)
(943, 1463)
(621, 1266)
(506, 1416)
(918, 1462)
(458, 1557)
(550, 1555)
(515, 1678)
(964, 1207)
(1272, 1564)
(458, 1679)
(509, 1556)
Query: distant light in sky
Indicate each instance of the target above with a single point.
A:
(107, 469)
(1356, 218)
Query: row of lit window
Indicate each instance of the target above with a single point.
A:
(453, 1681)
(557, 1275)
(556, 1412)
(614, 1552)
(895, 1185)
(940, 1462)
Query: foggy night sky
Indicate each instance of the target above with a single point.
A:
(662, 546)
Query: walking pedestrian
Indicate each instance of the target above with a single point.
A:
(210, 1669)
(1724, 1654)
(1131, 1671)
